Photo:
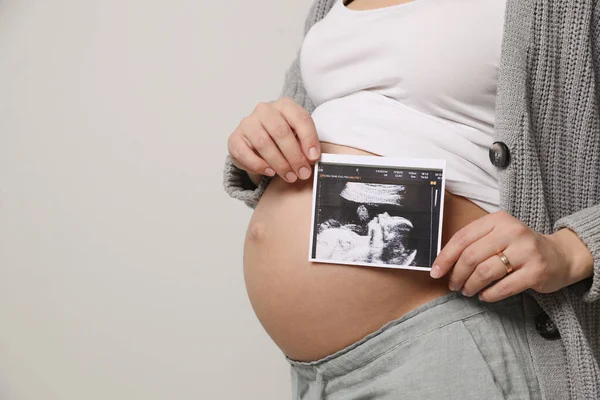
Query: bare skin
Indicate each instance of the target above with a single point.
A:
(361, 5)
(310, 309)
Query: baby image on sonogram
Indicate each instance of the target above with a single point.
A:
(367, 227)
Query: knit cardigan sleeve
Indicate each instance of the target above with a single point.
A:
(236, 181)
(586, 222)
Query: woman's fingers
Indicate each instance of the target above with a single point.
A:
(244, 157)
(462, 239)
(277, 138)
(261, 142)
(303, 125)
(515, 282)
(473, 260)
(485, 273)
(281, 133)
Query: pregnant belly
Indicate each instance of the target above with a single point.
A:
(311, 310)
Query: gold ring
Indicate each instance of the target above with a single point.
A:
(506, 263)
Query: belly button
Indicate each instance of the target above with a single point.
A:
(256, 231)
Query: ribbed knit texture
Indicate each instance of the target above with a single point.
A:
(548, 114)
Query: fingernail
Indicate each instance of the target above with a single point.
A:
(452, 287)
(269, 172)
(313, 153)
(435, 271)
(304, 172)
(464, 293)
(290, 176)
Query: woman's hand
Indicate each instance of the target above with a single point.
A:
(545, 263)
(277, 138)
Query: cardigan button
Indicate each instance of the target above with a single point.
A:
(545, 327)
(499, 155)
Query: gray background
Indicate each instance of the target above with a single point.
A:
(120, 254)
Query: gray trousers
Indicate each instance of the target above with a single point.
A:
(452, 347)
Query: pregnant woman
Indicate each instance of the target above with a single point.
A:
(507, 92)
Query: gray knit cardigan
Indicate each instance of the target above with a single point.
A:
(548, 114)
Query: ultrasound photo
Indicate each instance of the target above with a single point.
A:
(386, 215)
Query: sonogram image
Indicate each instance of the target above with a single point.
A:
(384, 222)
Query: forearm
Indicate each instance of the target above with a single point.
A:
(586, 225)
(577, 254)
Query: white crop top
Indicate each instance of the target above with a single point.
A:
(411, 80)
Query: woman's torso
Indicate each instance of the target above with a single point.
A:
(311, 309)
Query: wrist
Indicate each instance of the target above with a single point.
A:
(249, 181)
(576, 254)
(255, 178)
